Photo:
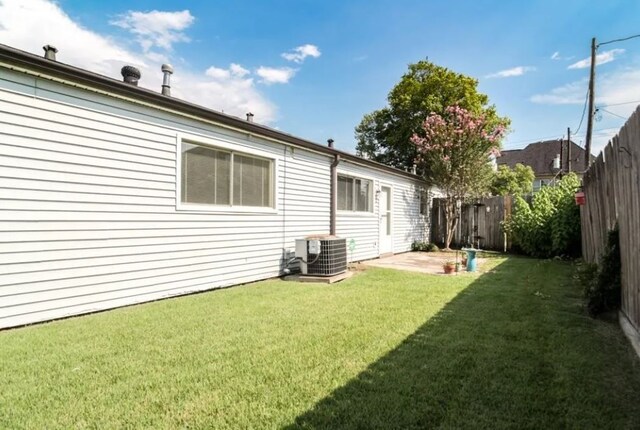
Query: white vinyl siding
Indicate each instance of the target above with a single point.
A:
(90, 187)
(88, 218)
(407, 225)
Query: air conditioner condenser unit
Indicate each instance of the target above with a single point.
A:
(322, 255)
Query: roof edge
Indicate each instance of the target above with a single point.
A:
(55, 69)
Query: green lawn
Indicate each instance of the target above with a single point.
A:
(511, 348)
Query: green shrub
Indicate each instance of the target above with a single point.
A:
(602, 285)
(550, 225)
(424, 246)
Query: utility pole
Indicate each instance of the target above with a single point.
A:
(561, 154)
(592, 77)
(569, 149)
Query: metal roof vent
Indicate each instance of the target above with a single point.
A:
(249, 117)
(330, 142)
(131, 75)
(167, 70)
(50, 52)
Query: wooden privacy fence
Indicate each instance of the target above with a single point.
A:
(612, 192)
(479, 223)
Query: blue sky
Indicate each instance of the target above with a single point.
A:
(229, 55)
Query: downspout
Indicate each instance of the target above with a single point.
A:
(333, 208)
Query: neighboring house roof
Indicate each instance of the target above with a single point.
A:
(540, 156)
(22, 61)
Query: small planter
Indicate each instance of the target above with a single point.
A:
(449, 267)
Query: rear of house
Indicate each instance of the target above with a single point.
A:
(114, 195)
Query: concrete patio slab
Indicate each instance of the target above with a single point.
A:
(425, 262)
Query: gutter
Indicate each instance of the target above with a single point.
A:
(333, 205)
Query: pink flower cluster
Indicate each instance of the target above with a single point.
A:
(456, 129)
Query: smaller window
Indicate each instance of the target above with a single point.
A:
(537, 184)
(424, 202)
(355, 194)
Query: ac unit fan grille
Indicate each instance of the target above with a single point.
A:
(332, 259)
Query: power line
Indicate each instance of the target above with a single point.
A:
(535, 139)
(584, 109)
(610, 113)
(602, 129)
(619, 40)
(621, 103)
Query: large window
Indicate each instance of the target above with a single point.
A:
(355, 194)
(212, 176)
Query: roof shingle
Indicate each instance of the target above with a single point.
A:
(540, 156)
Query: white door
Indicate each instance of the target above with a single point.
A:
(386, 240)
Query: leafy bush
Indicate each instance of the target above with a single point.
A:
(424, 246)
(602, 285)
(550, 225)
(516, 181)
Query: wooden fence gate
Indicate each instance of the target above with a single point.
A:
(480, 223)
(612, 191)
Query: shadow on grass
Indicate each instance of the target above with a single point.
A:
(513, 350)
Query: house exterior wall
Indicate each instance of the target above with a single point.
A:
(407, 225)
(89, 216)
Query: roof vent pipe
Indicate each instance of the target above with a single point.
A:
(249, 117)
(330, 142)
(167, 71)
(131, 75)
(50, 52)
(414, 169)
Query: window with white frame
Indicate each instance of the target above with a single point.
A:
(355, 194)
(424, 202)
(539, 183)
(220, 177)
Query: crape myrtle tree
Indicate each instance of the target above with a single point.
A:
(384, 135)
(454, 150)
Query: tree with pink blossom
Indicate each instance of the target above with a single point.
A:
(454, 152)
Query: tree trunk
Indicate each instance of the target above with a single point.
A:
(451, 220)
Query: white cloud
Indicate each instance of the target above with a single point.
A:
(234, 70)
(218, 73)
(156, 28)
(556, 56)
(514, 71)
(616, 87)
(297, 55)
(238, 70)
(272, 75)
(614, 91)
(30, 24)
(572, 93)
(602, 58)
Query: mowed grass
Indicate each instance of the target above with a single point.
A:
(511, 348)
